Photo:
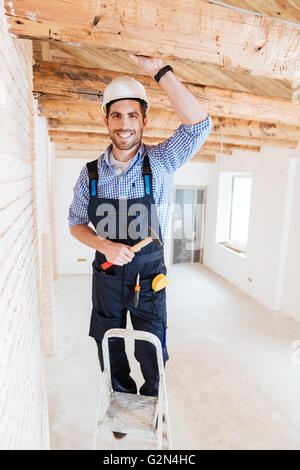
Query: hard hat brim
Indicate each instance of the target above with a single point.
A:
(140, 100)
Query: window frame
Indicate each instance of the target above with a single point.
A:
(227, 242)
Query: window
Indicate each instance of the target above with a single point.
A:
(234, 210)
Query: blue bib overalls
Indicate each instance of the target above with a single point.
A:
(113, 289)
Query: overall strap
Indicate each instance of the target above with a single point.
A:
(93, 176)
(147, 176)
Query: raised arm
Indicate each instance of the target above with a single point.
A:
(185, 104)
(180, 147)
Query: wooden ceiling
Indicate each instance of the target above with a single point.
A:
(117, 61)
(244, 68)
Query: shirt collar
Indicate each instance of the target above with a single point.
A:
(133, 159)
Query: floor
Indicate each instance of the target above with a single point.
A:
(231, 379)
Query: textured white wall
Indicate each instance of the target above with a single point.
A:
(267, 214)
(23, 402)
(290, 300)
(42, 181)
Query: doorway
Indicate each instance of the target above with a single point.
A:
(188, 224)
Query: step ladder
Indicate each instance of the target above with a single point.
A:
(129, 413)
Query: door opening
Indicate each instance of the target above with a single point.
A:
(188, 225)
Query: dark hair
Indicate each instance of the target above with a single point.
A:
(142, 103)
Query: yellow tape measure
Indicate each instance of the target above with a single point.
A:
(159, 282)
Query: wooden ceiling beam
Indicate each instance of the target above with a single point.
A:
(82, 141)
(205, 33)
(74, 127)
(86, 154)
(162, 122)
(103, 141)
(91, 111)
(194, 73)
(203, 158)
(256, 129)
(217, 147)
(93, 137)
(91, 154)
(102, 145)
(85, 86)
(236, 139)
(287, 11)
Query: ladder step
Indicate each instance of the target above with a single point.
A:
(131, 414)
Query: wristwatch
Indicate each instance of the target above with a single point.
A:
(162, 71)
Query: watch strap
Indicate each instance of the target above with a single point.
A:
(162, 71)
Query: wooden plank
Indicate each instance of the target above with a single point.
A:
(205, 33)
(238, 140)
(80, 112)
(83, 142)
(197, 74)
(89, 147)
(85, 154)
(60, 82)
(103, 141)
(86, 112)
(101, 147)
(258, 130)
(217, 147)
(58, 116)
(260, 112)
(203, 158)
(289, 10)
(58, 135)
(45, 51)
(158, 127)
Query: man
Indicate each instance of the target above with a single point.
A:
(128, 175)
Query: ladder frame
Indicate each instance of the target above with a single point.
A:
(106, 390)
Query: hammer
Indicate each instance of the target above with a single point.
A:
(153, 237)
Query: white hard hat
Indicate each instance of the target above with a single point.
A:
(124, 88)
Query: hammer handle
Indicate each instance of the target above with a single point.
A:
(141, 244)
(134, 249)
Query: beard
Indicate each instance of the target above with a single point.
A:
(132, 141)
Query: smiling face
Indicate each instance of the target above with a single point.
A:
(125, 124)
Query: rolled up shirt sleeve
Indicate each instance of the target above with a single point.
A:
(183, 144)
(78, 211)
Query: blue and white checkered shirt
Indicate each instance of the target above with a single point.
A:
(165, 158)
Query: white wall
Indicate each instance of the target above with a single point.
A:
(268, 205)
(44, 232)
(23, 400)
(68, 249)
(290, 300)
